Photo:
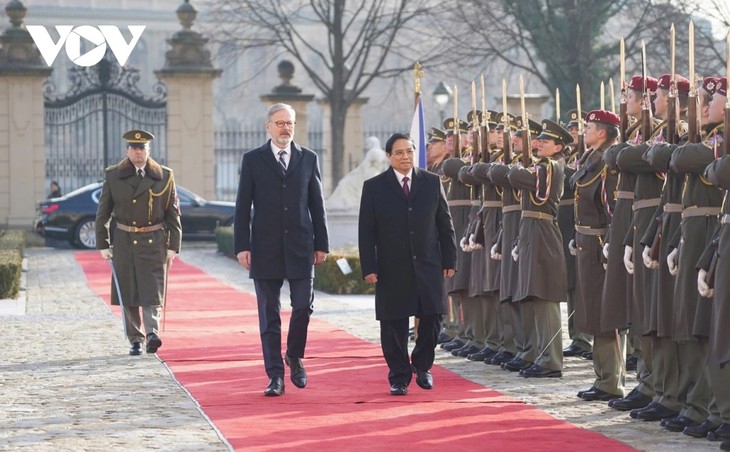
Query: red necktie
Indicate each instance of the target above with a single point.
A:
(406, 191)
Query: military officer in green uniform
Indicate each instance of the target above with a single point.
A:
(140, 194)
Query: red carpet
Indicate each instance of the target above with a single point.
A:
(211, 344)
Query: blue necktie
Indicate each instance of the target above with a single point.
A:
(282, 162)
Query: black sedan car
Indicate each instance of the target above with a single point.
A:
(72, 217)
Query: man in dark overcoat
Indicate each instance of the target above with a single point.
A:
(280, 232)
(407, 247)
(141, 195)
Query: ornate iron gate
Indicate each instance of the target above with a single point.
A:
(84, 127)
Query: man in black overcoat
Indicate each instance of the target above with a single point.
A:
(407, 247)
(280, 232)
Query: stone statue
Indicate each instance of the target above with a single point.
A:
(346, 195)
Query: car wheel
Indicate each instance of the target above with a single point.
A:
(85, 234)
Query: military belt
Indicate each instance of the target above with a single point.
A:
(621, 194)
(459, 203)
(695, 211)
(725, 219)
(492, 204)
(587, 230)
(476, 203)
(644, 203)
(537, 215)
(126, 228)
(512, 208)
(673, 208)
(567, 202)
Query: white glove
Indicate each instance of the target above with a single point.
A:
(171, 255)
(514, 254)
(472, 244)
(106, 254)
(571, 247)
(494, 254)
(648, 261)
(605, 250)
(628, 263)
(702, 286)
(672, 262)
(463, 244)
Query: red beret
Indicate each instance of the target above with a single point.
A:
(721, 87)
(682, 83)
(603, 116)
(636, 85)
(709, 84)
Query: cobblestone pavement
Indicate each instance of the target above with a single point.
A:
(67, 382)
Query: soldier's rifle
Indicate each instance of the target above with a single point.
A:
(646, 119)
(506, 144)
(526, 139)
(672, 135)
(457, 133)
(694, 99)
(484, 126)
(623, 108)
(580, 146)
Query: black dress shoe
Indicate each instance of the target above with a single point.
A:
(700, 430)
(656, 413)
(482, 354)
(537, 371)
(634, 414)
(465, 351)
(456, 343)
(399, 389)
(679, 423)
(721, 433)
(298, 374)
(725, 445)
(599, 394)
(153, 343)
(573, 350)
(135, 349)
(444, 338)
(517, 365)
(424, 379)
(501, 358)
(275, 387)
(587, 355)
(631, 363)
(634, 401)
(580, 393)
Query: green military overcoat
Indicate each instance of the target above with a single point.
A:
(139, 257)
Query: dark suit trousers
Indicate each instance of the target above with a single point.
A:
(394, 342)
(268, 292)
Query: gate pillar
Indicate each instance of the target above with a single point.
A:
(22, 151)
(188, 74)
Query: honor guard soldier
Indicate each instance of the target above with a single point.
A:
(540, 292)
(140, 194)
(647, 191)
(655, 239)
(701, 202)
(581, 343)
(459, 201)
(594, 184)
(713, 266)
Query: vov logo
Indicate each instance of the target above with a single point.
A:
(71, 37)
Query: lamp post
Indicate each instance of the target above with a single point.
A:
(441, 96)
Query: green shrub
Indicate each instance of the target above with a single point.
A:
(329, 278)
(12, 240)
(224, 240)
(11, 263)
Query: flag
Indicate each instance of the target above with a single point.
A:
(418, 135)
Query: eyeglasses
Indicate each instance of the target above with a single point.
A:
(281, 124)
(403, 153)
